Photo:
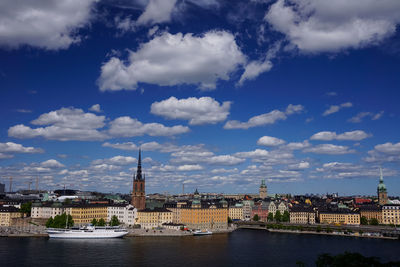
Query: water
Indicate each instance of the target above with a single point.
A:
(240, 248)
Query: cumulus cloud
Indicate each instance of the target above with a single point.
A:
(253, 69)
(203, 110)
(264, 119)
(95, 108)
(64, 124)
(10, 148)
(356, 135)
(299, 166)
(174, 59)
(129, 127)
(335, 108)
(360, 116)
(342, 170)
(52, 163)
(157, 11)
(46, 24)
(329, 149)
(187, 167)
(270, 141)
(116, 160)
(387, 152)
(330, 26)
(298, 145)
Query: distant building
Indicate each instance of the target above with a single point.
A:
(2, 189)
(263, 189)
(84, 214)
(391, 214)
(261, 210)
(339, 217)
(126, 214)
(139, 192)
(302, 215)
(382, 192)
(152, 218)
(371, 212)
(247, 209)
(7, 214)
(236, 212)
(46, 210)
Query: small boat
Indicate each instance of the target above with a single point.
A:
(202, 232)
(87, 232)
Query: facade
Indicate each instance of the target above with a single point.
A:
(272, 207)
(382, 192)
(391, 214)
(176, 210)
(84, 214)
(236, 212)
(138, 191)
(302, 215)
(337, 217)
(126, 214)
(261, 209)
(152, 218)
(7, 214)
(282, 207)
(263, 189)
(371, 212)
(46, 210)
(247, 208)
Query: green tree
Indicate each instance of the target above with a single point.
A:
(49, 222)
(373, 221)
(256, 218)
(101, 222)
(363, 220)
(270, 217)
(229, 220)
(286, 216)
(114, 221)
(94, 222)
(26, 208)
(278, 216)
(60, 221)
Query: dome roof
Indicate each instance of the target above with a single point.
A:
(382, 187)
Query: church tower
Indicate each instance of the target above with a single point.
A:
(263, 189)
(382, 192)
(138, 192)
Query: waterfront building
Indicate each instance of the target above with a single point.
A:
(152, 218)
(85, 213)
(391, 214)
(139, 192)
(371, 212)
(272, 207)
(247, 209)
(176, 208)
(46, 210)
(339, 217)
(263, 189)
(302, 215)
(260, 209)
(126, 214)
(236, 212)
(7, 214)
(382, 192)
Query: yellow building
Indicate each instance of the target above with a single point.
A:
(302, 215)
(7, 214)
(84, 214)
(152, 218)
(391, 214)
(371, 212)
(333, 217)
(236, 213)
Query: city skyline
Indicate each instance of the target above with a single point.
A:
(217, 95)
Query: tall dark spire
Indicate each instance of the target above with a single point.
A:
(139, 167)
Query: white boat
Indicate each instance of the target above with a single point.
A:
(202, 232)
(89, 232)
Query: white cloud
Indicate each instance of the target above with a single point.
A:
(194, 167)
(264, 119)
(258, 153)
(52, 163)
(299, 166)
(122, 146)
(65, 124)
(388, 148)
(157, 11)
(41, 23)
(315, 26)
(298, 145)
(329, 149)
(129, 127)
(253, 69)
(270, 141)
(11, 147)
(116, 160)
(356, 135)
(95, 108)
(203, 110)
(174, 59)
(335, 108)
(387, 152)
(360, 116)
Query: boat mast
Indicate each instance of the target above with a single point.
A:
(66, 221)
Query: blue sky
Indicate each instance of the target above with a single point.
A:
(218, 94)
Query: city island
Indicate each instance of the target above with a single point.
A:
(31, 212)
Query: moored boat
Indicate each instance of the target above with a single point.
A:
(89, 232)
(202, 232)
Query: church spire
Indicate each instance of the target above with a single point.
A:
(139, 167)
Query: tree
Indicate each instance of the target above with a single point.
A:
(286, 216)
(101, 222)
(270, 217)
(363, 220)
(114, 221)
(373, 221)
(60, 221)
(26, 208)
(94, 222)
(229, 220)
(49, 222)
(278, 216)
(256, 218)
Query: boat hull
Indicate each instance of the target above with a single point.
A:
(81, 234)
